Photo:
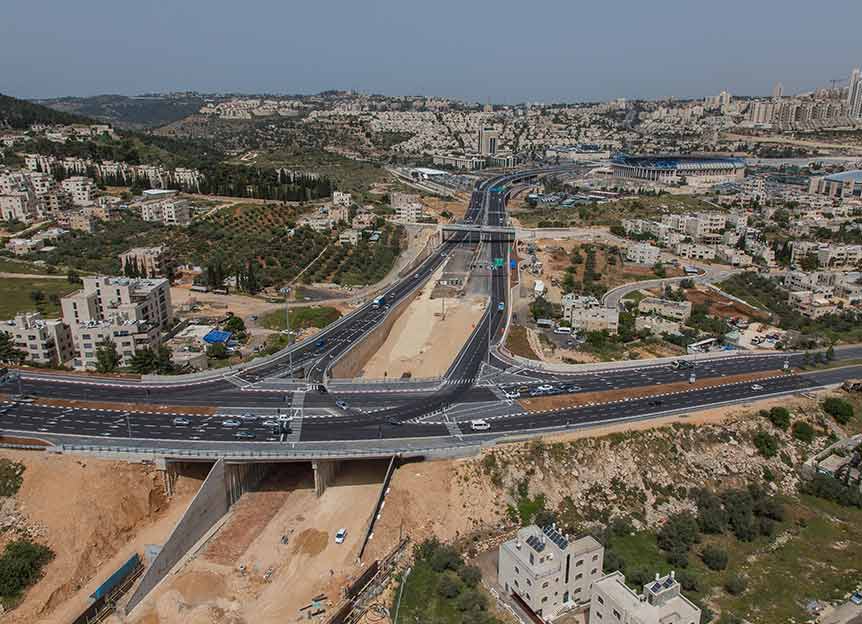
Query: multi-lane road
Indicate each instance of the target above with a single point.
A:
(252, 400)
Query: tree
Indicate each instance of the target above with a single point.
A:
(8, 352)
(449, 586)
(37, 296)
(803, 432)
(471, 575)
(72, 276)
(779, 417)
(236, 326)
(143, 361)
(164, 360)
(217, 351)
(20, 565)
(715, 558)
(107, 357)
(735, 584)
(839, 409)
(680, 530)
(711, 517)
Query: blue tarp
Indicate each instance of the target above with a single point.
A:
(117, 577)
(217, 335)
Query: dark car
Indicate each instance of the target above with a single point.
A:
(393, 421)
(247, 435)
(322, 389)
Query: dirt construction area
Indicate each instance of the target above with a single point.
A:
(275, 552)
(423, 342)
(94, 514)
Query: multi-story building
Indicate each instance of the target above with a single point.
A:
(24, 246)
(811, 304)
(339, 198)
(147, 261)
(733, 256)
(643, 253)
(47, 342)
(167, 211)
(694, 251)
(844, 185)
(676, 310)
(587, 314)
(839, 256)
(661, 602)
(408, 208)
(761, 249)
(488, 138)
(82, 190)
(547, 571)
(658, 325)
(147, 300)
(854, 95)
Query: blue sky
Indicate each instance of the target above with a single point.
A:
(504, 51)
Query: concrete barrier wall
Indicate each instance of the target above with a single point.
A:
(350, 364)
(207, 507)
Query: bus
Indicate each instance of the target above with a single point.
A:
(378, 301)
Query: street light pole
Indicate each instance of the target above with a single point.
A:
(401, 593)
(286, 291)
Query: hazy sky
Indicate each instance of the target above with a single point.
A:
(530, 50)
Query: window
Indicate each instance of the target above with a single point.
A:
(544, 585)
(579, 563)
(532, 559)
(594, 570)
(517, 570)
(544, 599)
(600, 599)
(599, 614)
(595, 557)
(517, 584)
(579, 576)
(617, 614)
(529, 582)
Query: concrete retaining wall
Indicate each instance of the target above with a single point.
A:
(223, 486)
(350, 364)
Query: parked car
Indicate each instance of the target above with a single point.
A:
(513, 394)
(231, 422)
(181, 421)
(856, 598)
(480, 425)
(321, 389)
(545, 387)
(340, 535)
(394, 421)
(23, 398)
(341, 404)
(248, 416)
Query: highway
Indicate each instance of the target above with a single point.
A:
(114, 408)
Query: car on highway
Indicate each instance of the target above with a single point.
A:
(321, 389)
(340, 535)
(341, 404)
(22, 398)
(270, 423)
(501, 306)
(181, 421)
(655, 402)
(244, 435)
(756, 387)
(480, 424)
(522, 389)
(545, 388)
(680, 365)
(231, 422)
(573, 388)
(513, 394)
(248, 416)
(537, 393)
(394, 421)
(4, 409)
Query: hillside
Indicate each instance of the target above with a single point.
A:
(20, 114)
(129, 112)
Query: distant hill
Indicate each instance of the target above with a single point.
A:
(21, 114)
(130, 112)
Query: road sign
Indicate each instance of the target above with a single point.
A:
(513, 264)
(498, 263)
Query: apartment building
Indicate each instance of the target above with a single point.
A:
(800, 250)
(702, 224)
(643, 253)
(661, 602)
(47, 342)
(761, 249)
(17, 206)
(547, 571)
(818, 282)
(733, 256)
(587, 314)
(676, 310)
(658, 325)
(811, 304)
(146, 300)
(82, 190)
(147, 261)
(694, 251)
(167, 211)
(339, 198)
(839, 256)
(407, 207)
(24, 246)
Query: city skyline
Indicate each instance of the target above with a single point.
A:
(463, 52)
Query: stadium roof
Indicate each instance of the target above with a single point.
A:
(855, 175)
(677, 161)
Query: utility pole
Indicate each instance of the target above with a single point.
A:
(401, 593)
(286, 292)
(129, 424)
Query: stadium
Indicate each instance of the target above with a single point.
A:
(695, 170)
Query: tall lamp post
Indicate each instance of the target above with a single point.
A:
(286, 292)
(401, 593)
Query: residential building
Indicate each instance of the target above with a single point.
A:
(547, 571)
(661, 602)
(147, 300)
(733, 256)
(167, 211)
(643, 253)
(24, 246)
(349, 237)
(834, 256)
(587, 314)
(854, 95)
(407, 207)
(47, 342)
(340, 198)
(488, 139)
(811, 304)
(676, 310)
(694, 251)
(761, 249)
(658, 325)
(147, 261)
(844, 185)
(82, 190)
(17, 206)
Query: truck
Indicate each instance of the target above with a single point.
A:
(378, 301)
(852, 385)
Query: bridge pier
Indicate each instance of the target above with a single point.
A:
(324, 474)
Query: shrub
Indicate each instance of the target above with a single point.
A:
(680, 530)
(839, 409)
(471, 575)
(779, 417)
(735, 585)
(715, 558)
(766, 444)
(20, 565)
(11, 477)
(803, 432)
(449, 585)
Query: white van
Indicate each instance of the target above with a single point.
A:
(563, 330)
(480, 425)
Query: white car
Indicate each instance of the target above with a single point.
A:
(181, 421)
(545, 388)
(514, 394)
(248, 416)
(231, 422)
(339, 537)
(756, 387)
(480, 425)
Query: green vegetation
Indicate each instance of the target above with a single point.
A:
(803, 431)
(20, 566)
(26, 295)
(20, 114)
(441, 589)
(147, 361)
(301, 318)
(839, 409)
(831, 489)
(766, 444)
(11, 476)
(764, 292)
(349, 175)
(517, 343)
(130, 111)
(8, 265)
(778, 416)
